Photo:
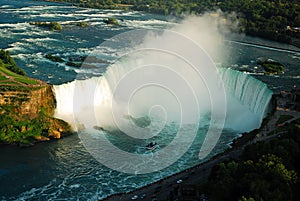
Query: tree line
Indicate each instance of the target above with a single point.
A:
(265, 171)
(7, 61)
(264, 18)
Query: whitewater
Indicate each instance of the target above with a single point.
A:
(167, 78)
(65, 169)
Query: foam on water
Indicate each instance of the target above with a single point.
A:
(147, 23)
(5, 6)
(17, 47)
(19, 26)
(89, 181)
(46, 39)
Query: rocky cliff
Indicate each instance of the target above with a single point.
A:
(30, 102)
(27, 115)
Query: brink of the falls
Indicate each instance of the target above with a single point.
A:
(247, 101)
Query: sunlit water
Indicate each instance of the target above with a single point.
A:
(64, 169)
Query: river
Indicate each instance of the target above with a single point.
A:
(64, 169)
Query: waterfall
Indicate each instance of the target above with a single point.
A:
(247, 100)
(250, 92)
(77, 101)
(168, 75)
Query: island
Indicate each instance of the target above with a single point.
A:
(53, 26)
(76, 60)
(270, 66)
(53, 58)
(27, 107)
(111, 21)
(81, 24)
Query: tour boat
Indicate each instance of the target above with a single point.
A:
(151, 146)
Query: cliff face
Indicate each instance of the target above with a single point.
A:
(42, 98)
(29, 103)
(27, 116)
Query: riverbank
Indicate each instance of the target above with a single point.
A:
(191, 178)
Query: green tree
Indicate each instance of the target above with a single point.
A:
(263, 179)
(243, 198)
(10, 63)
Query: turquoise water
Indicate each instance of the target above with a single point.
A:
(64, 169)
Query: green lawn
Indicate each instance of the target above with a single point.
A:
(3, 78)
(9, 83)
(8, 72)
(18, 78)
(26, 80)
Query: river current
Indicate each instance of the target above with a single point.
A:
(64, 169)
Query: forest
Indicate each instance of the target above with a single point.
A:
(272, 19)
(266, 170)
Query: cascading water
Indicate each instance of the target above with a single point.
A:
(247, 100)
(68, 170)
(165, 88)
(251, 92)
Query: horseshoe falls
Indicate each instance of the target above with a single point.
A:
(247, 100)
(66, 169)
(168, 76)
